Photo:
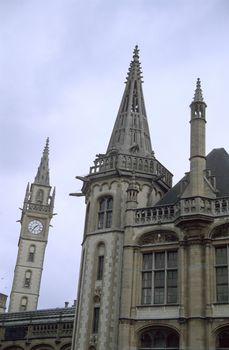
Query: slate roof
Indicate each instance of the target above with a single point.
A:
(218, 162)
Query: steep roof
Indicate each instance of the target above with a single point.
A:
(42, 176)
(218, 162)
(131, 131)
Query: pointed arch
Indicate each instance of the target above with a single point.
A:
(40, 196)
(24, 303)
(222, 338)
(43, 346)
(31, 253)
(158, 338)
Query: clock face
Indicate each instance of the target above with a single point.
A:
(35, 227)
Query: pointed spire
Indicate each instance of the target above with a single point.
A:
(131, 132)
(42, 177)
(27, 193)
(135, 71)
(198, 97)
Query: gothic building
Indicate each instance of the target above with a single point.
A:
(154, 266)
(154, 270)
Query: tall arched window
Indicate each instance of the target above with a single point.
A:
(105, 212)
(100, 263)
(28, 275)
(23, 304)
(31, 253)
(40, 196)
(160, 339)
(222, 340)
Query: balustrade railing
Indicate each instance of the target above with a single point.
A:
(130, 162)
(52, 329)
(186, 206)
(37, 207)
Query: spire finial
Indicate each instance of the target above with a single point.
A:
(46, 149)
(135, 71)
(136, 53)
(42, 176)
(198, 96)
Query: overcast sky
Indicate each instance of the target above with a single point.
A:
(63, 65)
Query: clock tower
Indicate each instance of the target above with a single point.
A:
(35, 221)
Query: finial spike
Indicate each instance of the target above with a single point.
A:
(198, 96)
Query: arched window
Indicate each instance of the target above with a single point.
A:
(100, 263)
(105, 212)
(160, 339)
(27, 282)
(23, 304)
(40, 196)
(31, 254)
(221, 266)
(222, 340)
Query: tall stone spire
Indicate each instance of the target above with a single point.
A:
(131, 132)
(42, 177)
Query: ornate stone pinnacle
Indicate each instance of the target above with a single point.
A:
(46, 149)
(135, 71)
(198, 96)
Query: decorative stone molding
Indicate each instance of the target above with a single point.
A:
(158, 237)
(97, 294)
(93, 341)
(221, 231)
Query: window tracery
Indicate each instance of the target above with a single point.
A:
(105, 212)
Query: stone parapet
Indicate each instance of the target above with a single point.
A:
(184, 207)
(106, 163)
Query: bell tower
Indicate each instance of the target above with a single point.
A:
(36, 215)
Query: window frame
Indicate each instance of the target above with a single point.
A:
(100, 267)
(217, 267)
(105, 212)
(23, 303)
(27, 279)
(153, 333)
(95, 321)
(156, 271)
(31, 253)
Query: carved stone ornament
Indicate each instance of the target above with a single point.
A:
(158, 237)
(93, 341)
(221, 231)
(97, 294)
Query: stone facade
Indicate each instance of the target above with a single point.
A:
(155, 258)
(165, 256)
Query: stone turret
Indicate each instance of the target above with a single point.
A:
(200, 181)
(127, 176)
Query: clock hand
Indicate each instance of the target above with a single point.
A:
(34, 227)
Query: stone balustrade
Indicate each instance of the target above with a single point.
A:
(119, 161)
(184, 207)
(37, 207)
